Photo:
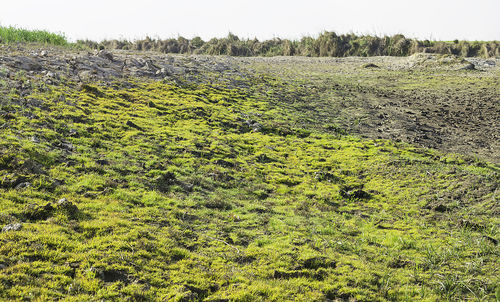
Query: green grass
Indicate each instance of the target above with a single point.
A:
(179, 199)
(12, 35)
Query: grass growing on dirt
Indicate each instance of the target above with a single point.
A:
(161, 191)
(12, 34)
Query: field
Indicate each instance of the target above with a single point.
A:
(142, 176)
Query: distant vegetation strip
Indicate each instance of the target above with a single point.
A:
(12, 34)
(327, 44)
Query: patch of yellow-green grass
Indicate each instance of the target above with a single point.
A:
(179, 198)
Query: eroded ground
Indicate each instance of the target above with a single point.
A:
(422, 100)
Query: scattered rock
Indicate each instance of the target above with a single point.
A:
(38, 212)
(73, 133)
(469, 66)
(43, 53)
(353, 192)
(67, 208)
(12, 227)
(67, 146)
(86, 75)
(11, 180)
(105, 55)
(50, 74)
(23, 185)
(26, 63)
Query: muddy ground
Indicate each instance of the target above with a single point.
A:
(446, 103)
(442, 102)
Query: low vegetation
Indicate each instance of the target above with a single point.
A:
(179, 190)
(327, 44)
(13, 34)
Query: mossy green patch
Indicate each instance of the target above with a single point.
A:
(201, 192)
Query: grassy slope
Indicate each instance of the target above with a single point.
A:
(180, 199)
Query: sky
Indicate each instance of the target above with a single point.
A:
(263, 19)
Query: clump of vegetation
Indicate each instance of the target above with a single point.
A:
(155, 190)
(327, 44)
(13, 34)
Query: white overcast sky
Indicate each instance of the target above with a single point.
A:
(133, 19)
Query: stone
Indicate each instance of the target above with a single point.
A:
(23, 185)
(86, 75)
(469, 66)
(67, 146)
(105, 55)
(67, 207)
(43, 53)
(38, 212)
(27, 64)
(73, 133)
(12, 227)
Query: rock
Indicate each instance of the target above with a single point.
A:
(11, 180)
(12, 227)
(27, 64)
(469, 66)
(370, 65)
(67, 207)
(23, 185)
(38, 212)
(67, 146)
(86, 75)
(355, 192)
(73, 133)
(50, 74)
(105, 55)
(43, 53)
(490, 63)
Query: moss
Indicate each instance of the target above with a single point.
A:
(194, 205)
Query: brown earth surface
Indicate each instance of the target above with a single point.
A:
(421, 100)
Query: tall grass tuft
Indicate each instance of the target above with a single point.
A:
(12, 34)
